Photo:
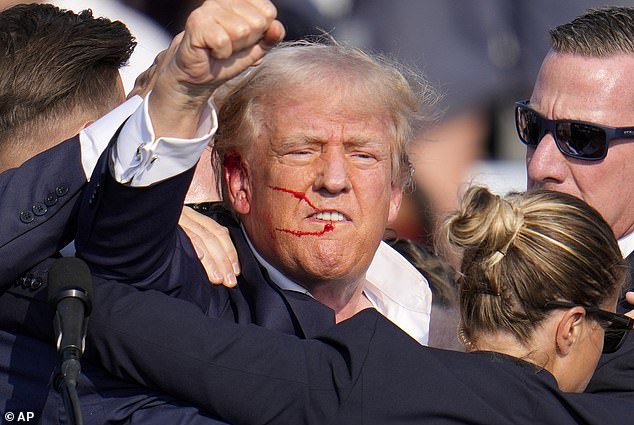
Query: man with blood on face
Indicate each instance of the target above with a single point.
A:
(315, 195)
(310, 151)
(315, 168)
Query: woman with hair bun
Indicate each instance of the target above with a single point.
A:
(539, 283)
(535, 268)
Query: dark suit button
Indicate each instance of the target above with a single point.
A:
(18, 281)
(95, 193)
(93, 197)
(51, 199)
(39, 209)
(61, 190)
(36, 283)
(27, 217)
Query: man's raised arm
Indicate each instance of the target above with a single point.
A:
(131, 234)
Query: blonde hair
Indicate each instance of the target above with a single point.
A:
(243, 102)
(524, 250)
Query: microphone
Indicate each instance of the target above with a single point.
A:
(70, 293)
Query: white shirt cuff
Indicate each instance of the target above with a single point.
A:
(139, 160)
(94, 139)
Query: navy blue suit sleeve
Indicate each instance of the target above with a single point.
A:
(37, 208)
(131, 234)
(243, 374)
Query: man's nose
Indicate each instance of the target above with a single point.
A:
(545, 163)
(333, 174)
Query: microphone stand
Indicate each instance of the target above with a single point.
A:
(66, 385)
(70, 304)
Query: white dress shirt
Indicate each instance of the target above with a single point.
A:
(137, 153)
(141, 160)
(94, 139)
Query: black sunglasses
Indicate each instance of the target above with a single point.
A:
(576, 139)
(616, 325)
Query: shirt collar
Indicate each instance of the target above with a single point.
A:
(395, 288)
(627, 244)
(399, 292)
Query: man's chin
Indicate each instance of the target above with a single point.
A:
(332, 265)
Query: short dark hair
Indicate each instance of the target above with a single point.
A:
(598, 32)
(54, 61)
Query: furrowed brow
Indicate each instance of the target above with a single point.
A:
(291, 142)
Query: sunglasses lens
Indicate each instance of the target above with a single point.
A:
(529, 126)
(581, 140)
(613, 340)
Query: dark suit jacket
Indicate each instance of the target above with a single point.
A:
(363, 371)
(615, 372)
(37, 207)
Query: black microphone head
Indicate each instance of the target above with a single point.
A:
(69, 276)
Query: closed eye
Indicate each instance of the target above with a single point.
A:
(300, 152)
(364, 158)
(363, 155)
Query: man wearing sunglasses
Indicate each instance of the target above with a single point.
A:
(578, 127)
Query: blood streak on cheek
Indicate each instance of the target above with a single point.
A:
(299, 195)
(328, 227)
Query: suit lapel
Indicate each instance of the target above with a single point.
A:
(313, 317)
(271, 307)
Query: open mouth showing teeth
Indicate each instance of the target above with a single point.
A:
(329, 216)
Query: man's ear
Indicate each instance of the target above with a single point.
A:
(236, 175)
(569, 329)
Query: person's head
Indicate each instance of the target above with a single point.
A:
(60, 71)
(312, 148)
(586, 76)
(522, 252)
